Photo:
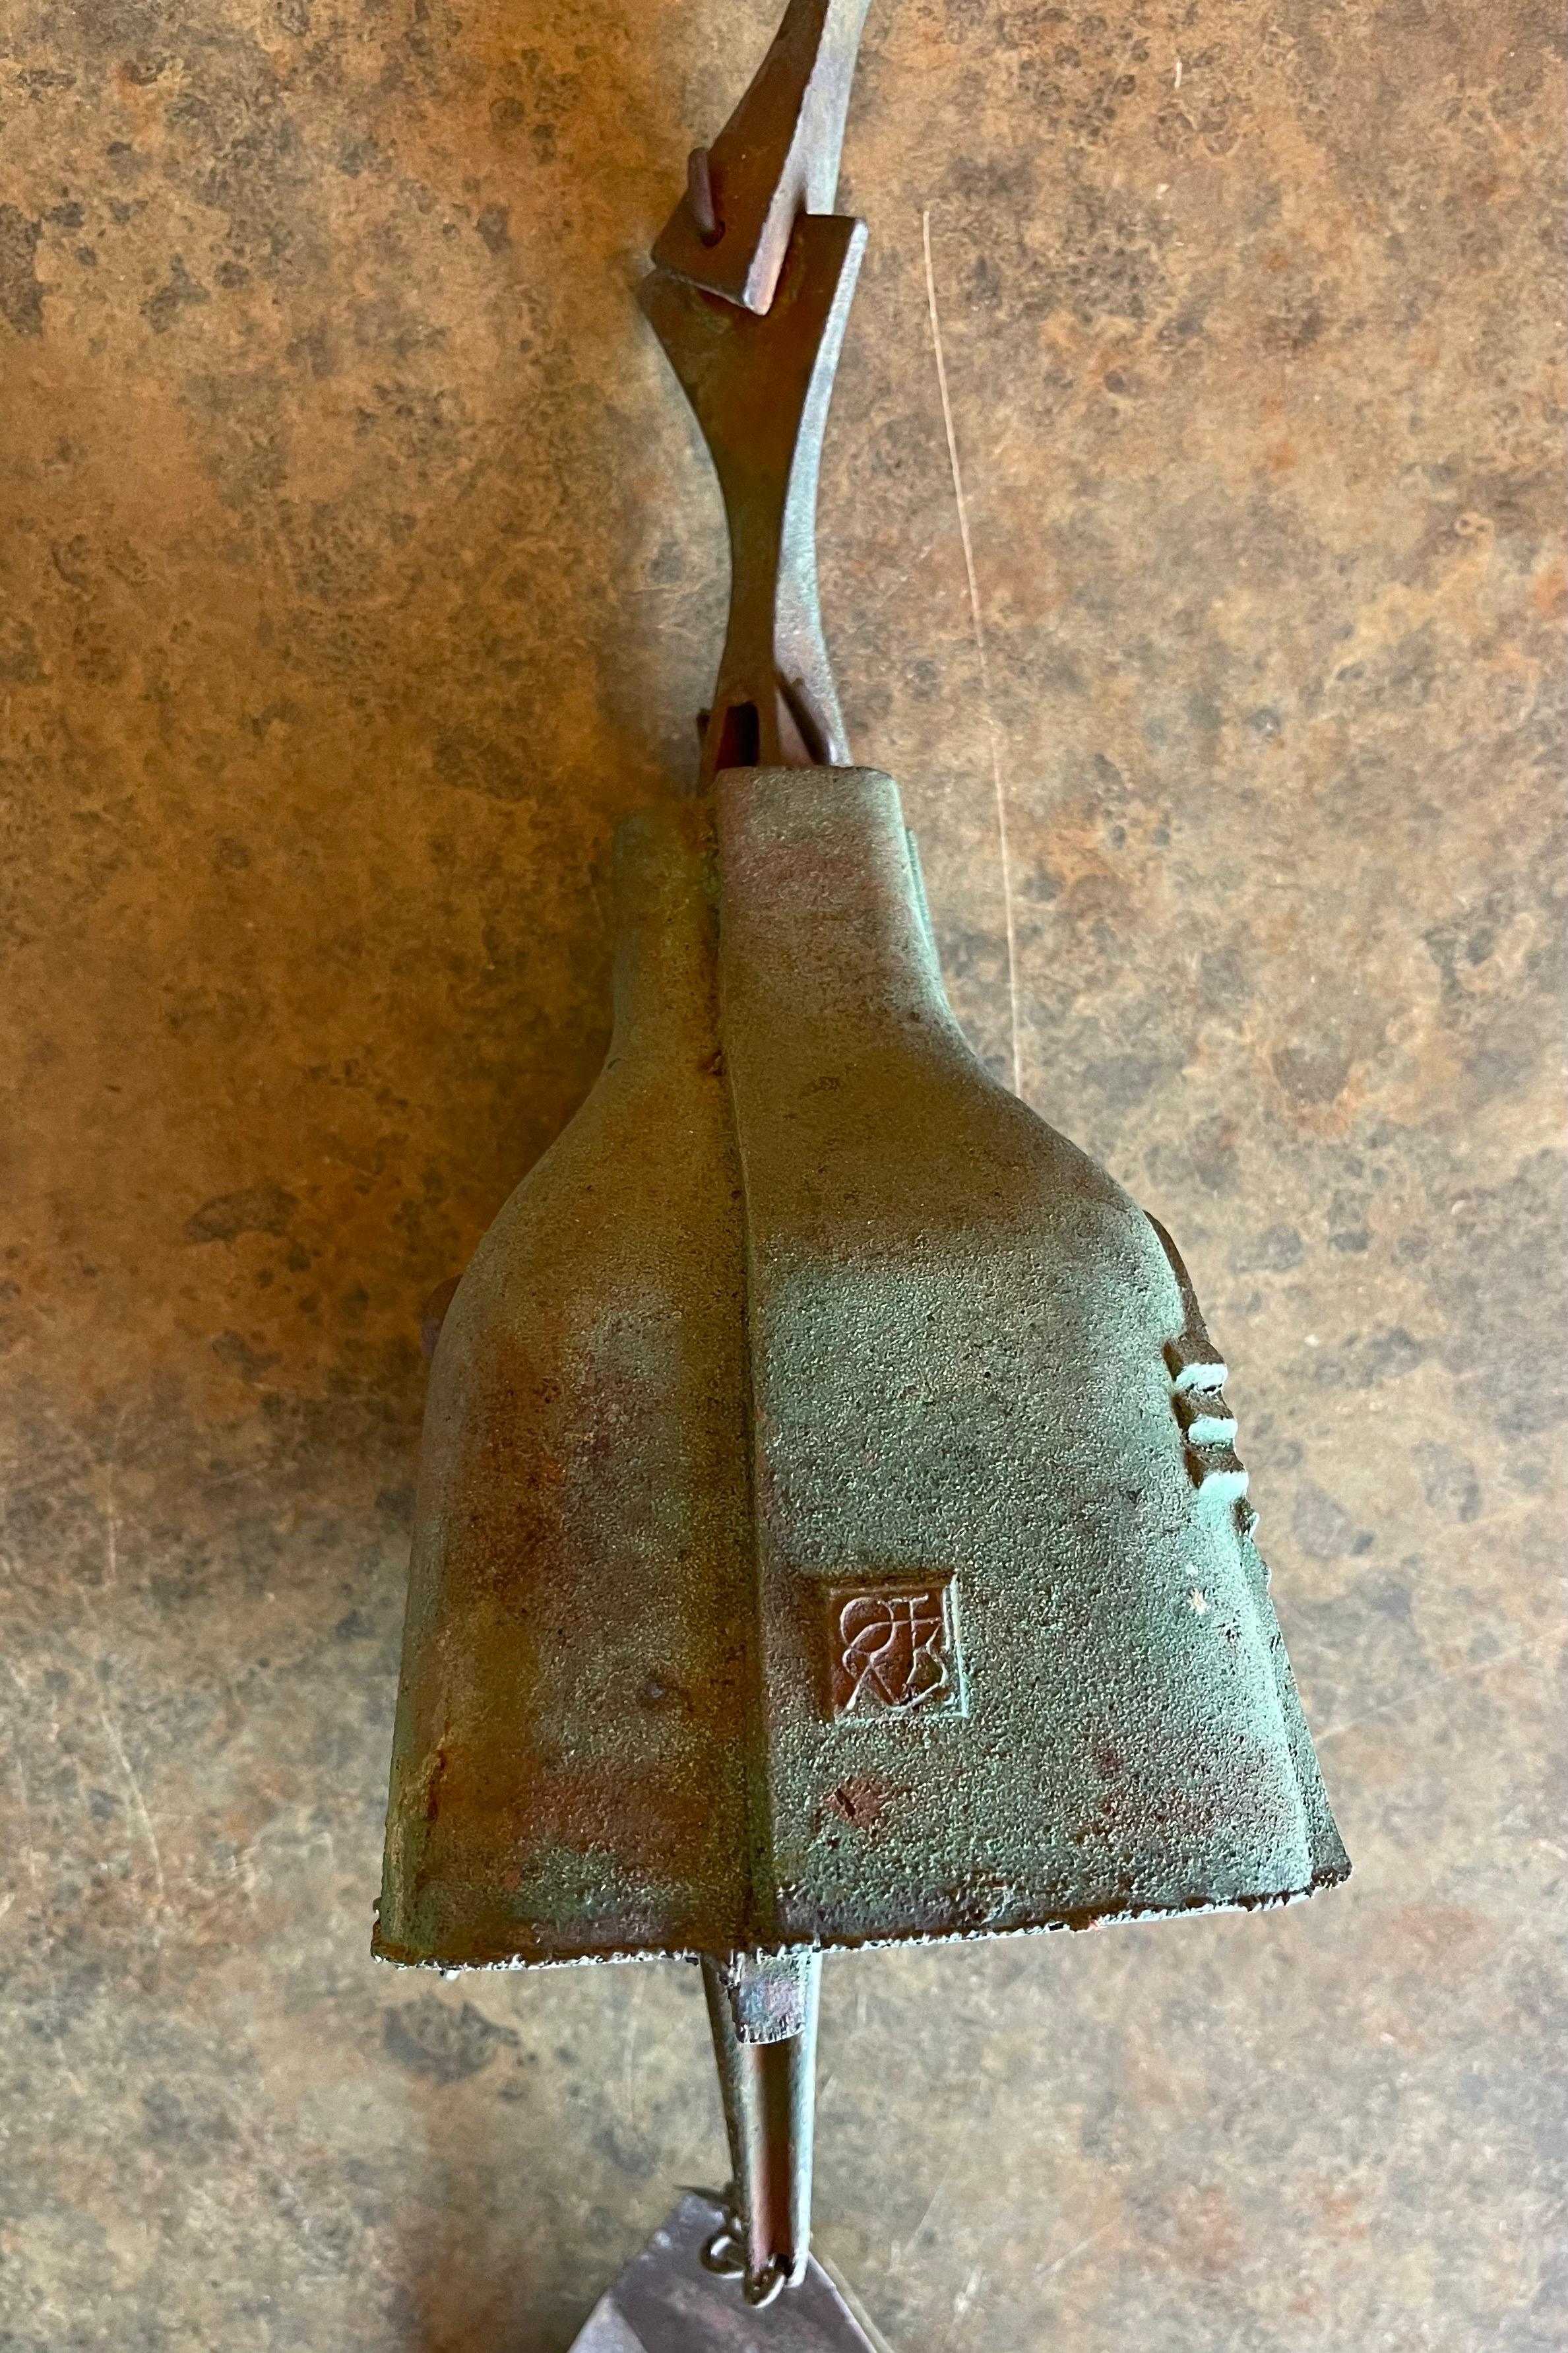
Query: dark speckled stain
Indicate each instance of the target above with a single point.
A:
(361, 570)
(21, 296)
(429, 2037)
(860, 1800)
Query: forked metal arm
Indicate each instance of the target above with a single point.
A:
(760, 387)
(749, 300)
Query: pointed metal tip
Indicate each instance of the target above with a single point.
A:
(775, 158)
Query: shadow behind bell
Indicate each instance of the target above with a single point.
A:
(829, 1528)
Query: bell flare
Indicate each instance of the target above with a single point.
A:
(830, 1528)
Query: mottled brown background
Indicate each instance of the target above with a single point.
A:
(362, 570)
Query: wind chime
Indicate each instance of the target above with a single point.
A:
(830, 1530)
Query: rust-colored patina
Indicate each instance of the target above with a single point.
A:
(830, 1529)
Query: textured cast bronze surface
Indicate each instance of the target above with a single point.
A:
(815, 1415)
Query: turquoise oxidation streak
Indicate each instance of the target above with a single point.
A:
(830, 1529)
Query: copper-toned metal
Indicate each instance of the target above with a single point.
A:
(775, 158)
(760, 387)
(750, 298)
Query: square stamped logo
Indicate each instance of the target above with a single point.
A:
(893, 1647)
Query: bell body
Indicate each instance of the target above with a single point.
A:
(829, 1528)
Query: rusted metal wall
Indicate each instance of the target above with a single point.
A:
(361, 572)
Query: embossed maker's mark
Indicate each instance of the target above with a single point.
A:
(892, 1648)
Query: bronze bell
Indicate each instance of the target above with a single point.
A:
(830, 1530)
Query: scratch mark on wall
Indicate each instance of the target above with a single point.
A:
(1073, 2253)
(144, 1816)
(979, 629)
(1456, 1674)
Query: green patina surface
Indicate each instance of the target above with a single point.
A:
(828, 1530)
